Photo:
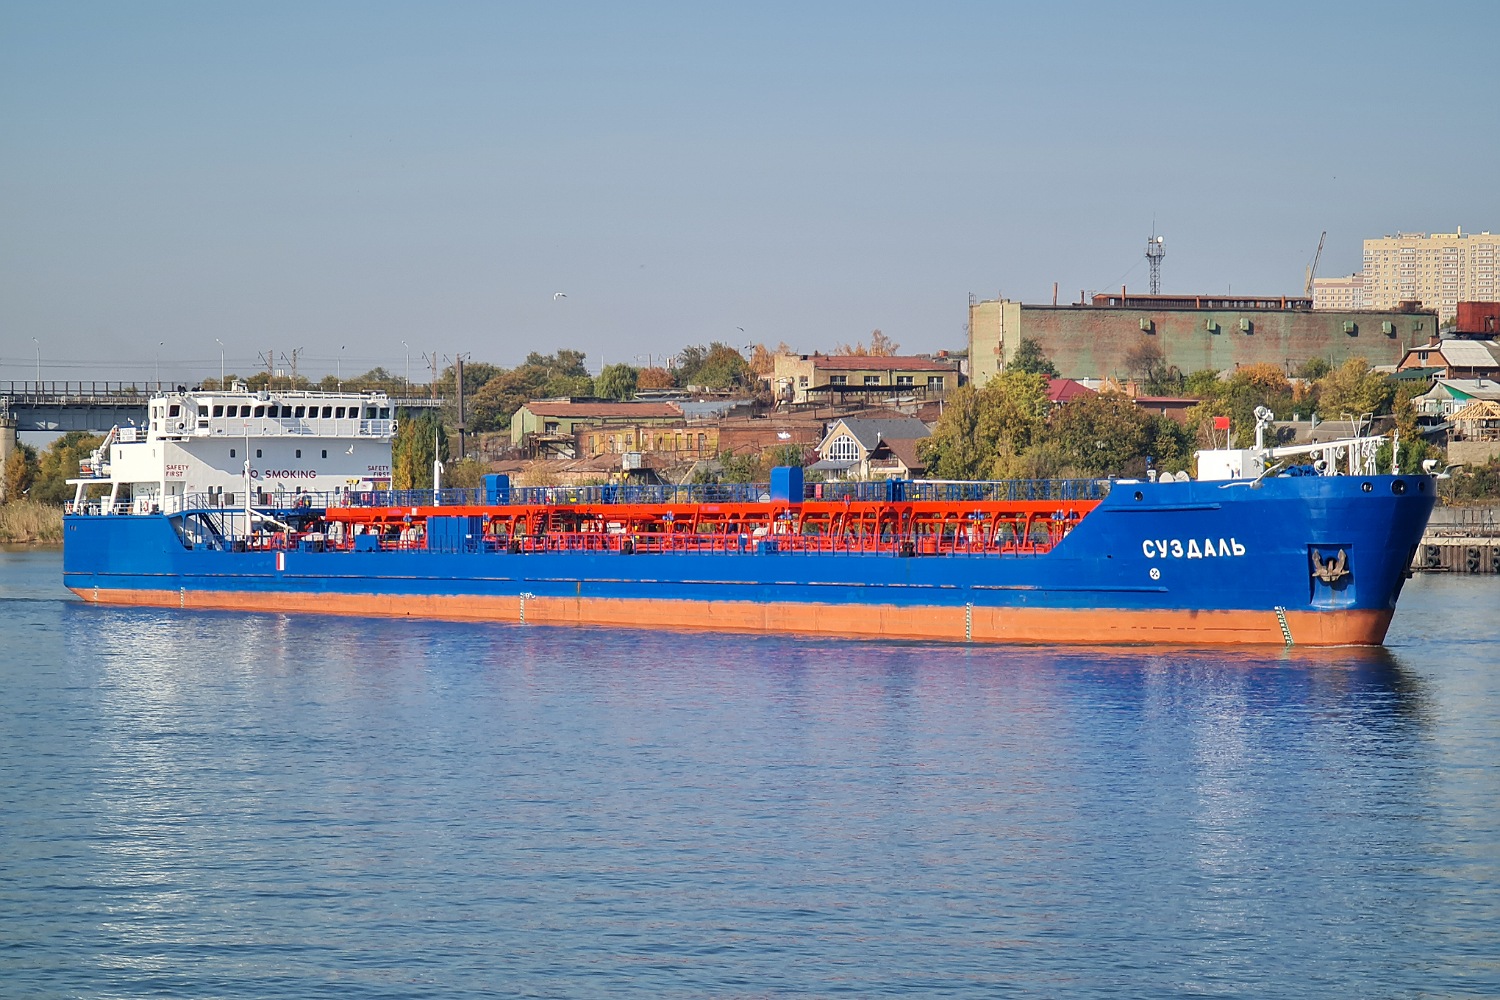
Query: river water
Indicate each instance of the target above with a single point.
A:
(232, 805)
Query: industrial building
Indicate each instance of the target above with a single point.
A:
(1106, 336)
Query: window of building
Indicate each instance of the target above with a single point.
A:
(838, 380)
(903, 380)
(934, 380)
(801, 379)
(872, 380)
(843, 449)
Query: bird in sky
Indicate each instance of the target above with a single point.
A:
(559, 295)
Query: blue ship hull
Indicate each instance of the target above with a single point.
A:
(1185, 562)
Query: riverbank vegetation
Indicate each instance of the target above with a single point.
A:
(30, 522)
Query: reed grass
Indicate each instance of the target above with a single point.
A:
(27, 521)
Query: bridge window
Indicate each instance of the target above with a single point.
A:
(175, 410)
(385, 413)
(339, 413)
(219, 410)
(299, 411)
(260, 411)
(327, 411)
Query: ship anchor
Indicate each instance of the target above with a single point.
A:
(1333, 570)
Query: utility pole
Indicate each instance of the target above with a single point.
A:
(458, 380)
(291, 364)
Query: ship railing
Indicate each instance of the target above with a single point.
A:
(682, 543)
(96, 508)
(886, 491)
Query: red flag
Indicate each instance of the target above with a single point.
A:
(1221, 423)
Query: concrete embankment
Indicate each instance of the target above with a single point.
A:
(1461, 540)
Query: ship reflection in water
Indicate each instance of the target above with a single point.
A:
(272, 805)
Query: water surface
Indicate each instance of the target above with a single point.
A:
(239, 805)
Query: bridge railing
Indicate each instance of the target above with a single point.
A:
(112, 393)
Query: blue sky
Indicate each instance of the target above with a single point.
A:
(340, 177)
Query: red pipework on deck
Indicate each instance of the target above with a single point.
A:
(917, 527)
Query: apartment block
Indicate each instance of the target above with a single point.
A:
(1339, 294)
(1438, 270)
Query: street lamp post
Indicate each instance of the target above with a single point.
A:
(159, 345)
(38, 364)
(408, 366)
(339, 367)
(221, 363)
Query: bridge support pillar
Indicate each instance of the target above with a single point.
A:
(8, 444)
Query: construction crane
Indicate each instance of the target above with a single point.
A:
(1312, 269)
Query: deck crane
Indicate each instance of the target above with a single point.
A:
(1312, 269)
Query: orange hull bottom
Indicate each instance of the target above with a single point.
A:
(1103, 626)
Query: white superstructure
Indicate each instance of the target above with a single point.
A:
(241, 449)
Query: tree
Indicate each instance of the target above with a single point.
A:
(1100, 434)
(785, 454)
(20, 472)
(617, 381)
(763, 359)
(717, 366)
(880, 346)
(420, 436)
(1147, 364)
(59, 463)
(1313, 369)
(982, 432)
(1414, 448)
(1203, 384)
(1355, 389)
(654, 378)
(1031, 359)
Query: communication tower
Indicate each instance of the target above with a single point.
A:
(1156, 249)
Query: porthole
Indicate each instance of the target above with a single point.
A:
(1398, 487)
(1367, 487)
(1139, 495)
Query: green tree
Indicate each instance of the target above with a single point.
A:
(1030, 358)
(785, 454)
(1237, 398)
(1102, 433)
(717, 366)
(1313, 369)
(617, 381)
(1414, 448)
(59, 463)
(420, 435)
(984, 432)
(1203, 384)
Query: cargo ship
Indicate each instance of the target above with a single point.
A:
(282, 502)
